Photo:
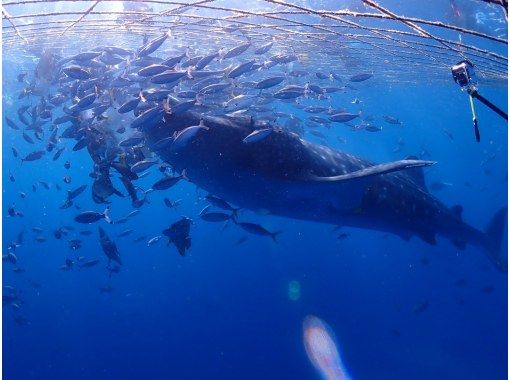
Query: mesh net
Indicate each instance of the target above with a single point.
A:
(386, 38)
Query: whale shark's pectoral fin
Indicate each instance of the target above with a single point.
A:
(351, 187)
(376, 170)
(417, 175)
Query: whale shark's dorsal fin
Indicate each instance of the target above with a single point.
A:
(417, 175)
(376, 170)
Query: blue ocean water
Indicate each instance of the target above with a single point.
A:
(399, 309)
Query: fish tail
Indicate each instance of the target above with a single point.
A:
(184, 174)
(274, 235)
(166, 106)
(199, 99)
(225, 225)
(106, 214)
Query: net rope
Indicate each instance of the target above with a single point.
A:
(378, 39)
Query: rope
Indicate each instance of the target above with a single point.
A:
(82, 17)
(335, 35)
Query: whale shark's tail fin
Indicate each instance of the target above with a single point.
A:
(274, 235)
(494, 235)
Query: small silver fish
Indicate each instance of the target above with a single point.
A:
(257, 135)
(154, 240)
(182, 138)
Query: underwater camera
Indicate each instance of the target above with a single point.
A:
(464, 75)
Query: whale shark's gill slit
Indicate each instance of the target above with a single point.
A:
(375, 170)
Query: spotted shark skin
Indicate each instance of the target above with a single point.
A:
(287, 176)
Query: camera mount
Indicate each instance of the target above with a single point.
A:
(464, 75)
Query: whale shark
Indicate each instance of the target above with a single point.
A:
(281, 174)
